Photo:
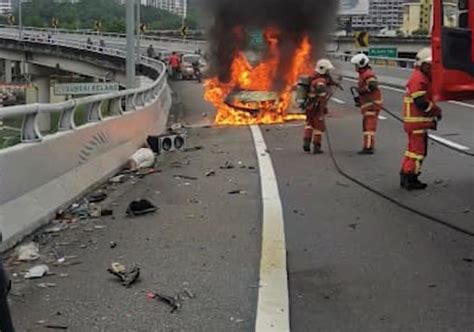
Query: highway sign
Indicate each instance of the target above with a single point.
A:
(64, 89)
(184, 31)
(383, 52)
(361, 39)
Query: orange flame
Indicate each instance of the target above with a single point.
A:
(259, 78)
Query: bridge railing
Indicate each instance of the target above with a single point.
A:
(93, 108)
(34, 30)
(381, 61)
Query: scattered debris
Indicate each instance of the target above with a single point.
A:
(439, 182)
(173, 302)
(140, 207)
(47, 285)
(143, 158)
(237, 192)
(95, 211)
(432, 286)
(112, 245)
(189, 294)
(28, 252)
(100, 227)
(118, 179)
(194, 201)
(97, 196)
(210, 173)
(466, 210)
(147, 171)
(127, 278)
(354, 226)
(57, 327)
(193, 149)
(468, 260)
(227, 165)
(251, 168)
(107, 212)
(56, 229)
(185, 177)
(36, 272)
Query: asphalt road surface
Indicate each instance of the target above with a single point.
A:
(356, 261)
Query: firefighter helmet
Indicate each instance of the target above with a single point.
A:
(424, 56)
(360, 60)
(323, 66)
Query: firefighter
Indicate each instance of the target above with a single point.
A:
(420, 115)
(316, 106)
(369, 100)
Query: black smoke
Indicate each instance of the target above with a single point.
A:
(294, 18)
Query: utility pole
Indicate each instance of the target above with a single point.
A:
(130, 44)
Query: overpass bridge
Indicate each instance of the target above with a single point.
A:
(254, 234)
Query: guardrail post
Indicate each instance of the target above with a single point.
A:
(94, 112)
(66, 119)
(130, 103)
(116, 106)
(29, 129)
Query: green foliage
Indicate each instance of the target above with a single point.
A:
(84, 14)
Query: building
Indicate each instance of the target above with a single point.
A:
(417, 16)
(383, 15)
(179, 7)
(5, 6)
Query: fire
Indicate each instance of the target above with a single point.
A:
(261, 77)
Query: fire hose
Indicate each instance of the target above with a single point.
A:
(386, 197)
(400, 119)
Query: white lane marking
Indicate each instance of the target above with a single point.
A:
(338, 101)
(381, 117)
(448, 142)
(273, 311)
(459, 103)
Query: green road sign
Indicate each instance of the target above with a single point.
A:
(383, 52)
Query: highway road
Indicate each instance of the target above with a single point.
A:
(356, 261)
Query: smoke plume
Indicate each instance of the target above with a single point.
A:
(294, 18)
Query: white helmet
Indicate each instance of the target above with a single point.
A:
(424, 56)
(323, 66)
(360, 60)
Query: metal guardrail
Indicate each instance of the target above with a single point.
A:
(119, 102)
(382, 61)
(33, 30)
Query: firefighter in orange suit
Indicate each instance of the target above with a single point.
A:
(316, 106)
(420, 115)
(369, 100)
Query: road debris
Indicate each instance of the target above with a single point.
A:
(112, 245)
(237, 192)
(193, 149)
(227, 165)
(46, 285)
(95, 211)
(468, 260)
(118, 179)
(140, 207)
(210, 173)
(189, 294)
(107, 212)
(354, 226)
(36, 272)
(56, 229)
(97, 196)
(185, 177)
(127, 278)
(56, 327)
(143, 158)
(147, 171)
(28, 252)
(173, 302)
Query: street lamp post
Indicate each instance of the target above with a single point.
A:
(138, 30)
(130, 43)
(20, 20)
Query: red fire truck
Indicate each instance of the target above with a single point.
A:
(453, 50)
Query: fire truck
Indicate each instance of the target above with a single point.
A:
(453, 51)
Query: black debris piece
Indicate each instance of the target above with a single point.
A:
(140, 208)
(97, 196)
